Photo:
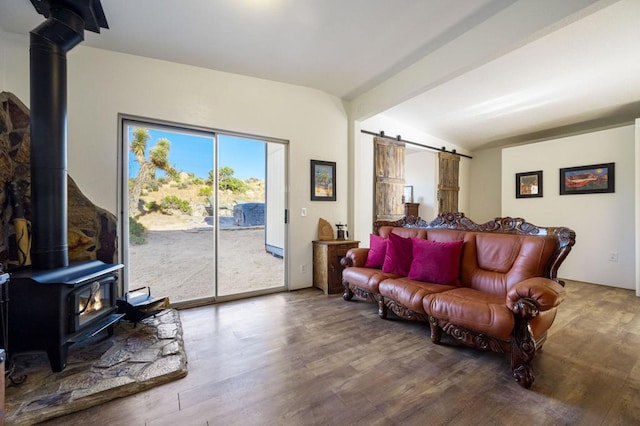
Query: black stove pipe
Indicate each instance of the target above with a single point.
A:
(49, 45)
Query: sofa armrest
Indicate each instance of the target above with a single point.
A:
(544, 292)
(355, 257)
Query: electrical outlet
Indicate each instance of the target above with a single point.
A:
(613, 256)
(303, 212)
(303, 268)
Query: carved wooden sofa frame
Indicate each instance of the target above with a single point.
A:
(522, 346)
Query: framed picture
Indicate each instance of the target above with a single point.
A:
(323, 180)
(529, 184)
(407, 196)
(593, 179)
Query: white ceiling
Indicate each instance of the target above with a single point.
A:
(582, 76)
(582, 71)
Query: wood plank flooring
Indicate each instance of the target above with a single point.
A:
(303, 358)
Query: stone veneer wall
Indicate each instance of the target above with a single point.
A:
(91, 229)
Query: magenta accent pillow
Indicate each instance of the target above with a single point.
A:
(436, 262)
(377, 251)
(399, 254)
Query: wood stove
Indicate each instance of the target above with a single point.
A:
(50, 310)
(53, 303)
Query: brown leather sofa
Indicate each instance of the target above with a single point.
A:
(504, 298)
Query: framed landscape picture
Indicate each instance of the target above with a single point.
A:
(323, 180)
(593, 179)
(529, 184)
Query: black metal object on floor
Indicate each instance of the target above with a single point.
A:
(138, 304)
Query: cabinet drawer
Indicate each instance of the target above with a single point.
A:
(341, 251)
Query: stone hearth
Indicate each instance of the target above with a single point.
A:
(98, 370)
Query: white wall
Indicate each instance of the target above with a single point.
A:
(485, 187)
(103, 84)
(14, 65)
(603, 223)
(421, 171)
(276, 197)
(363, 181)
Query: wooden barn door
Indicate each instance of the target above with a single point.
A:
(389, 178)
(448, 183)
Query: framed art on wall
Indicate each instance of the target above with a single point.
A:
(407, 196)
(529, 184)
(323, 180)
(593, 179)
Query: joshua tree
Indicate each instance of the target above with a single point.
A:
(323, 178)
(158, 159)
(226, 180)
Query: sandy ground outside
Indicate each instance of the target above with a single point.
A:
(178, 259)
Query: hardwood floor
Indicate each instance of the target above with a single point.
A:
(303, 358)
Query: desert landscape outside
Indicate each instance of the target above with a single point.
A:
(172, 238)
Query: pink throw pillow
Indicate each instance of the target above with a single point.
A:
(377, 251)
(436, 262)
(399, 254)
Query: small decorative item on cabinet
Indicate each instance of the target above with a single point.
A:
(325, 231)
(327, 271)
(341, 232)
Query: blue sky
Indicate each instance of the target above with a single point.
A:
(194, 154)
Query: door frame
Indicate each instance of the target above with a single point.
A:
(125, 120)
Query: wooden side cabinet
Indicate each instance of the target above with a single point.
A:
(327, 271)
(411, 209)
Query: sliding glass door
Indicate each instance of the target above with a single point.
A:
(170, 243)
(251, 197)
(204, 213)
